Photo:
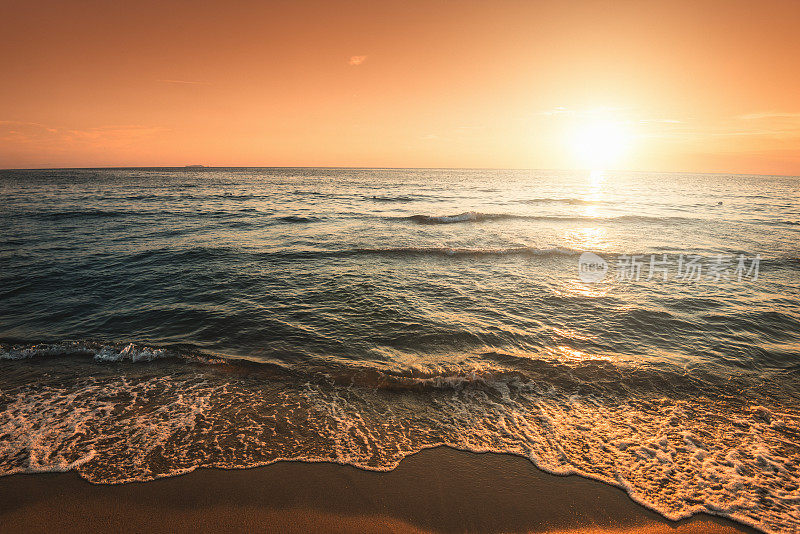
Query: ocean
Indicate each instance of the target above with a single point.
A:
(154, 321)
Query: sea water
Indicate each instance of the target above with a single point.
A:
(159, 320)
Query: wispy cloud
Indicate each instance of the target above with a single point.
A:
(23, 124)
(23, 133)
(355, 61)
(115, 132)
(769, 115)
(558, 110)
(778, 126)
(785, 124)
(185, 82)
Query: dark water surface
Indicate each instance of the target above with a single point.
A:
(157, 320)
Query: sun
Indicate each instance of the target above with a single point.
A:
(600, 144)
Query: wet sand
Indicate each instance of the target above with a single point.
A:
(437, 490)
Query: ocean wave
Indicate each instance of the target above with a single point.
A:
(221, 253)
(319, 194)
(387, 198)
(186, 196)
(298, 219)
(99, 351)
(474, 216)
(78, 214)
(130, 353)
(569, 201)
(465, 252)
(255, 214)
(599, 375)
(207, 253)
(653, 442)
(469, 216)
(240, 216)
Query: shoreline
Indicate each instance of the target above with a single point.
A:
(436, 490)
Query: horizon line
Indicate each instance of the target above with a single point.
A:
(200, 167)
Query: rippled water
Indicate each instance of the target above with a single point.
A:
(157, 320)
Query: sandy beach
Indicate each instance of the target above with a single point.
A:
(437, 490)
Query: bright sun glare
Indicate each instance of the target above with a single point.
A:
(600, 144)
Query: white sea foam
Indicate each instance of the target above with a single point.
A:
(461, 217)
(130, 352)
(676, 456)
(42, 349)
(100, 352)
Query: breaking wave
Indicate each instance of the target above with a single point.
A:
(100, 351)
(679, 445)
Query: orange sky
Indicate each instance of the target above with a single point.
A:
(707, 86)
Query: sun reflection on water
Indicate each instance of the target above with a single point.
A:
(568, 354)
(576, 287)
(589, 238)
